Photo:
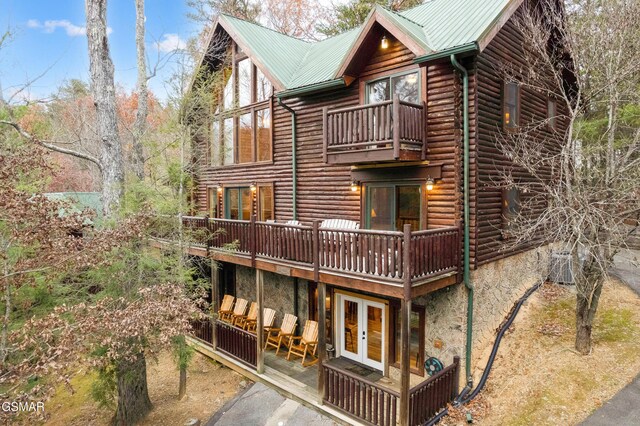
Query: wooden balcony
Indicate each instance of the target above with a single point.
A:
(382, 261)
(386, 131)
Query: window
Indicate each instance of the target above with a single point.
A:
(510, 207)
(406, 86)
(238, 203)
(241, 128)
(265, 203)
(212, 202)
(511, 105)
(552, 113)
(416, 338)
(389, 206)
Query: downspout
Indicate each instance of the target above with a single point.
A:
(294, 178)
(466, 261)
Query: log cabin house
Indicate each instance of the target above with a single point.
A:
(353, 175)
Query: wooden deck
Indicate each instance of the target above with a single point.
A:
(384, 262)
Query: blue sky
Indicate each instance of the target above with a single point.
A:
(49, 35)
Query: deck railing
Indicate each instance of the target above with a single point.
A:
(361, 253)
(359, 397)
(203, 330)
(236, 342)
(432, 395)
(396, 125)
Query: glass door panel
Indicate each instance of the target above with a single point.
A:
(380, 207)
(246, 203)
(351, 327)
(408, 210)
(361, 327)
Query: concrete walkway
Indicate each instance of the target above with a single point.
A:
(260, 405)
(624, 408)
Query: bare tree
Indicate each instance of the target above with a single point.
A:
(140, 125)
(580, 188)
(104, 96)
(297, 18)
(206, 11)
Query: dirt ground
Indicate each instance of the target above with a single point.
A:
(539, 379)
(209, 387)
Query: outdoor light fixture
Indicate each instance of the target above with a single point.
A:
(354, 186)
(384, 43)
(253, 186)
(412, 78)
(219, 187)
(430, 183)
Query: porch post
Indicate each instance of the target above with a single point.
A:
(405, 329)
(322, 337)
(215, 302)
(260, 321)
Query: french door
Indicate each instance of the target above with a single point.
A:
(361, 330)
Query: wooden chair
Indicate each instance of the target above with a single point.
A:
(241, 320)
(269, 317)
(308, 343)
(226, 307)
(277, 336)
(238, 310)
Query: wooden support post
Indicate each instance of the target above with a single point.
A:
(215, 299)
(396, 126)
(405, 329)
(316, 250)
(322, 337)
(252, 240)
(260, 321)
(325, 133)
(423, 130)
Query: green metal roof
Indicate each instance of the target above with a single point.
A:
(435, 26)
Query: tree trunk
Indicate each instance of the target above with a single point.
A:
(4, 345)
(182, 389)
(133, 395)
(104, 98)
(140, 125)
(586, 307)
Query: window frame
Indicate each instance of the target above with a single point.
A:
(552, 121)
(261, 185)
(236, 111)
(227, 203)
(389, 76)
(213, 201)
(420, 310)
(517, 106)
(509, 196)
(366, 200)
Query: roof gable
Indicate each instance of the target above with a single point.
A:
(432, 28)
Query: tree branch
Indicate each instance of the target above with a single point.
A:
(52, 146)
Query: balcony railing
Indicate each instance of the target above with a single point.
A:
(385, 131)
(382, 256)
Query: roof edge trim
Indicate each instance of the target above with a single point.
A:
(469, 48)
(312, 88)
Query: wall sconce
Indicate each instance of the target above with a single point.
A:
(219, 187)
(253, 187)
(384, 42)
(430, 183)
(354, 186)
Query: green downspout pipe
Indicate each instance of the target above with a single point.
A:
(294, 178)
(466, 261)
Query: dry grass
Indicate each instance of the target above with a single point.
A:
(209, 386)
(539, 379)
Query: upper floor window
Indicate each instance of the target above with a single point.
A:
(405, 85)
(510, 105)
(552, 114)
(241, 128)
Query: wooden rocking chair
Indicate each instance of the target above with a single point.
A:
(241, 320)
(226, 307)
(308, 343)
(269, 317)
(278, 336)
(238, 310)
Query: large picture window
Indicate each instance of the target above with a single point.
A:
(241, 128)
(391, 206)
(405, 85)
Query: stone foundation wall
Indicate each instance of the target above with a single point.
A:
(497, 286)
(278, 293)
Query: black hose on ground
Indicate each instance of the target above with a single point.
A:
(463, 399)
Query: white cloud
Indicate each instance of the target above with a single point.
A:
(50, 26)
(170, 43)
